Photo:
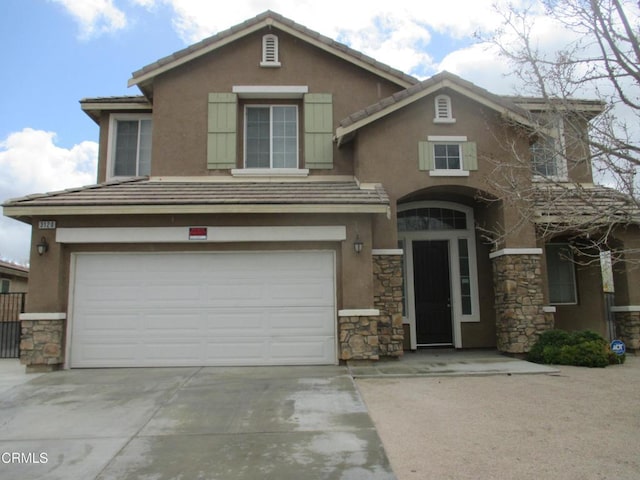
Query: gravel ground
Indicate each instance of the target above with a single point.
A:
(578, 424)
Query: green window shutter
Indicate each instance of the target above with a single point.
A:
(470, 156)
(318, 130)
(221, 131)
(425, 155)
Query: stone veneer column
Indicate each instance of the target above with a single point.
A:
(387, 292)
(41, 341)
(628, 325)
(519, 299)
(358, 331)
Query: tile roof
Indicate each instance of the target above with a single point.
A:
(142, 191)
(268, 16)
(584, 205)
(116, 99)
(13, 268)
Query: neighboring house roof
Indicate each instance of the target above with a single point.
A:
(583, 205)
(148, 196)
(12, 269)
(94, 106)
(143, 78)
(357, 120)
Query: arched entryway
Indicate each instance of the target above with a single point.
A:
(441, 278)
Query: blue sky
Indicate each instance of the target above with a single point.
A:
(50, 67)
(55, 52)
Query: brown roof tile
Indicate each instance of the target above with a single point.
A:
(583, 204)
(141, 191)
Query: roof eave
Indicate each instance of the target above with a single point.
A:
(94, 109)
(27, 211)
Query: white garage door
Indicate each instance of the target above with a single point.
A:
(183, 309)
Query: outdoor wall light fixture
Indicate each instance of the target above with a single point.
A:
(357, 245)
(43, 246)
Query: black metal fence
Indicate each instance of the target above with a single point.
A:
(11, 306)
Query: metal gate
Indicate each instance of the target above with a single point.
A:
(11, 306)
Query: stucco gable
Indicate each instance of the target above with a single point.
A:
(518, 109)
(143, 78)
(349, 125)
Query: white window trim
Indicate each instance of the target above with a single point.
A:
(274, 170)
(454, 271)
(273, 92)
(448, 173)
(270, 172)
(449, 118)
(5, 285)
(448, 140)
(573, 275)
(111, 142)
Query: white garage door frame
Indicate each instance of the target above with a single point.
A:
(69, 358)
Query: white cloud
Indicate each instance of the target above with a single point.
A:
(95, 17)
(31, 162)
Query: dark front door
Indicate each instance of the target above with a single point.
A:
(432, 291)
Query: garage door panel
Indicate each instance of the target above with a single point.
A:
(203, 309)
(285, 350)
(301, 322)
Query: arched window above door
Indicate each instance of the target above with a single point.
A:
(430, 219)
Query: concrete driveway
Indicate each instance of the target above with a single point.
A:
(189, 423)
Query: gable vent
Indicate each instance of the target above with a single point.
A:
(443, 110)
(270, 54)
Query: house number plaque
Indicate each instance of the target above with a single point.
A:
(47, 224)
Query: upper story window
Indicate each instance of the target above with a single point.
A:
(447, 155)
(443, 110)
(130, 146)
(544, 157)
(270, 53)
(5, 285)
(547, 154)
(271, 136)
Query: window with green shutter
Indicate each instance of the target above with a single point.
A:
(447, 156)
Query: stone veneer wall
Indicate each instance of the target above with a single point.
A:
(41, 344)
(387, 297)
(628, 329)
(519, 302)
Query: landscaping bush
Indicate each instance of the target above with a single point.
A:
(584, 349)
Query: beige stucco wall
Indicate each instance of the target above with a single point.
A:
(627, 273)
(181, 95)
(589, 313)
(387, 152)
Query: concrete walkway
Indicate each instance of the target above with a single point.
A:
(439, 363)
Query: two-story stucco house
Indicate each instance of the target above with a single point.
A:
(275, 197)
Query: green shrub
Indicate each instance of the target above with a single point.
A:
(584, 348)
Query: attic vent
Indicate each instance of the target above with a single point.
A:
(270, 51)
(443, 110)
